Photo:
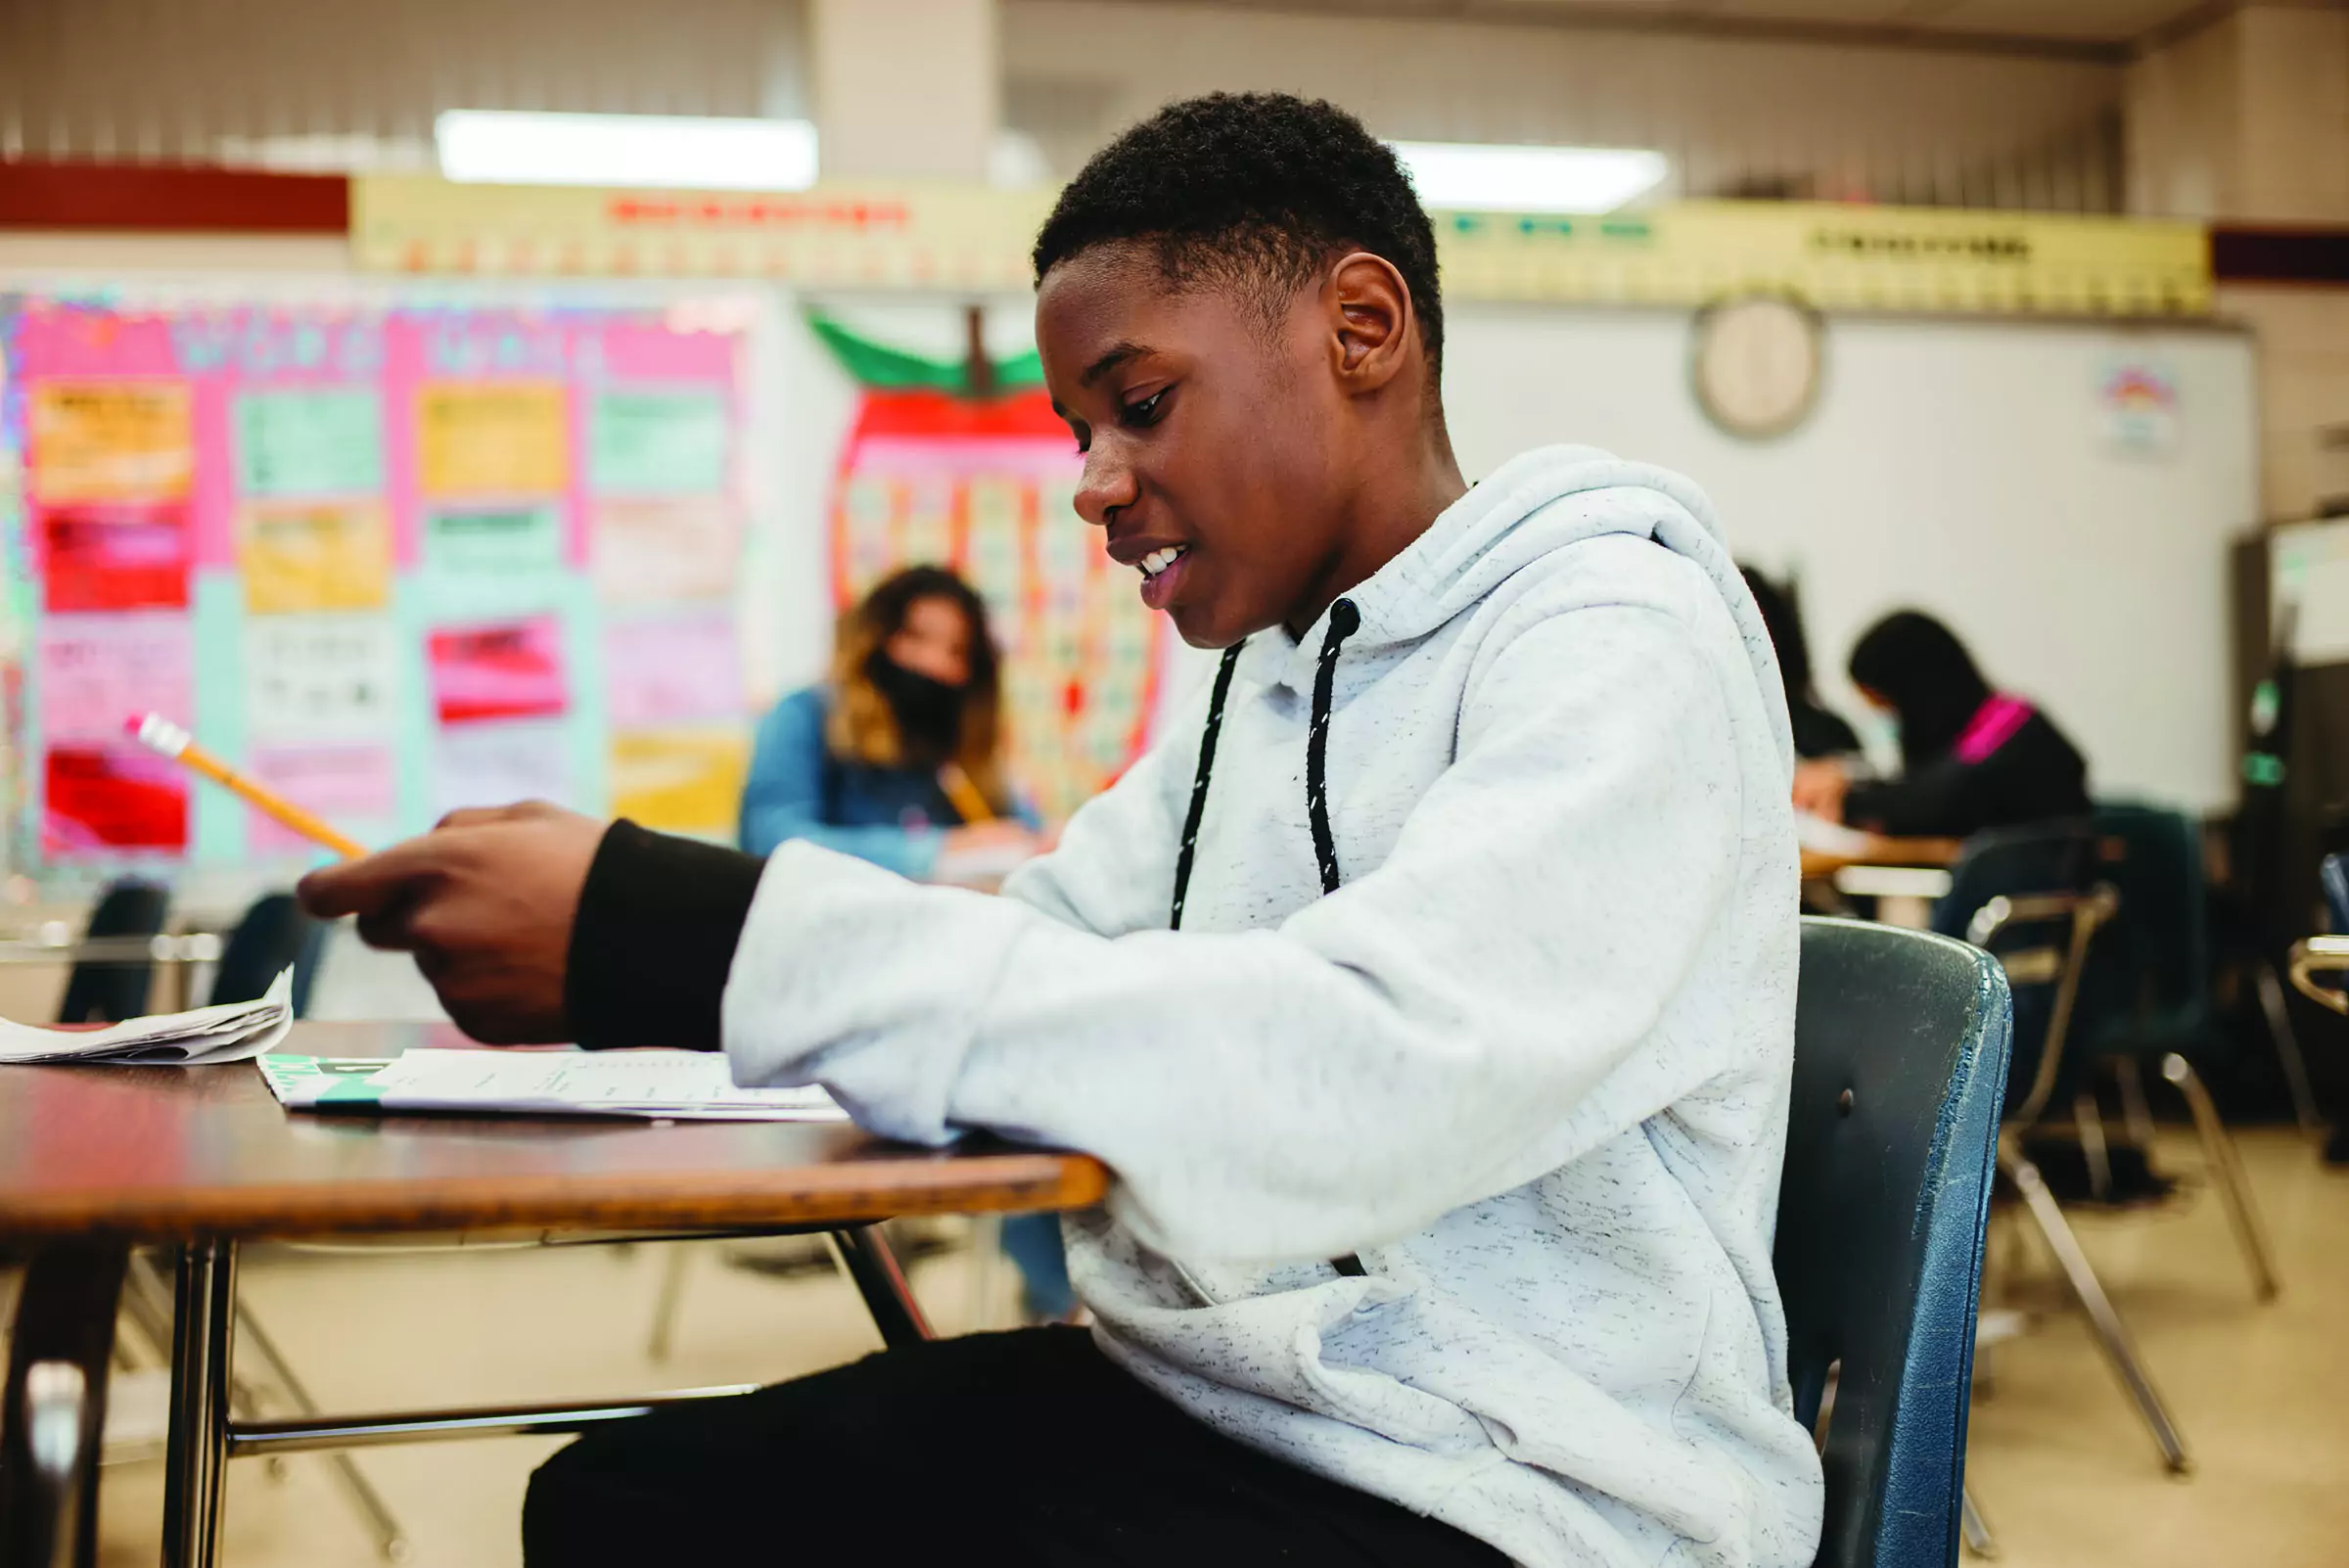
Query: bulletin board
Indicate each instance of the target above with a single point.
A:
(387, 561)
(985, 486)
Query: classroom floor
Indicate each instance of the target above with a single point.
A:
(2059, 1463)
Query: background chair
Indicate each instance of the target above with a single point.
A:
(109, 990)
(1900, 1063)
(2326, 955)
(273, 936)
(2035, 899)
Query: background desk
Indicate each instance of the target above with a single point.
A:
(94, 1159)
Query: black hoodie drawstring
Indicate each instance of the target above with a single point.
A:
(1344, 621)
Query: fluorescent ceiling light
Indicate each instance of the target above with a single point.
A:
(502, 147)
(1480, 177)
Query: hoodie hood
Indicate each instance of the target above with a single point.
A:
(1544, 500)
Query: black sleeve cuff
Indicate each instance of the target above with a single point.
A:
(650, 947)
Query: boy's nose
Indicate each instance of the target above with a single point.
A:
(1106, 486)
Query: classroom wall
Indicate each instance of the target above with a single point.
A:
(1954, 464)
(1961, 467)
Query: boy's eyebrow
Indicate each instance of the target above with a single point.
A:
(1119, 353)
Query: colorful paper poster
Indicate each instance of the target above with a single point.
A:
(499, 670)
(502, 543)
(111, 441)
(499, 763)
(97, 672)
(320, 677)
(311, 441)
(102, 797)
(657, 442)
(350, 786)
(670, 668)
(97, 556)
(2137, 406)
(492, 439)
(680, 781)
(315, 555)
(651, 552)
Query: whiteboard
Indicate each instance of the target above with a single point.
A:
(1966, 468)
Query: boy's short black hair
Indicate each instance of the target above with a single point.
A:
(1254, 190)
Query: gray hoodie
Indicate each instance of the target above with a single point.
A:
(1528, 1061)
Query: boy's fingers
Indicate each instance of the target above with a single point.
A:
(362, 887)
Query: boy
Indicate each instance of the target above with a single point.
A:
(1447, 1118)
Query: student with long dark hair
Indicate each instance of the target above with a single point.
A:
(1971, 758)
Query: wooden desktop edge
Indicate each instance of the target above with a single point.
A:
(865, 1190)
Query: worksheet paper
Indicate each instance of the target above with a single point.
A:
(683, 1085)
(228, 1033)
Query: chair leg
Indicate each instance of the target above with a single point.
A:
(674, 1260)
(1978, 1539)
(2135, 1114)
(2287, 1049)
(389, 1538)
(2111, 1333)
(2089, 1117)
(2218, 1151)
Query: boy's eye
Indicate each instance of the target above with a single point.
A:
(1144, 412)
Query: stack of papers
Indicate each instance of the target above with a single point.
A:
(688, 1085)
(228, 1033)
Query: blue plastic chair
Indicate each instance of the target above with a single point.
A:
(1900, 1065)
(273, 936)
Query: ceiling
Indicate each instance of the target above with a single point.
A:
(2058, 25)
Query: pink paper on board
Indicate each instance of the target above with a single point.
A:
(498, 669)
(343, 784)
(96, 671)
(672, 667)
(107, 797)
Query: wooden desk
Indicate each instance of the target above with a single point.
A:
(1819, 864)
(93, 1159)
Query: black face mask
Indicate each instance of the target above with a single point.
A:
(929, 712)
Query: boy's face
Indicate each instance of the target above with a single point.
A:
(1205, 433)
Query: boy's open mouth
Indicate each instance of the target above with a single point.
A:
(1162, 572)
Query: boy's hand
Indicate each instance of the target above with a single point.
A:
(485, 901)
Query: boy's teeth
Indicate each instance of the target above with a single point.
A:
(1158, 561)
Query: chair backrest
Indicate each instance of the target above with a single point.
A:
(2021, 863)
(2156, 956)
(107, 992)
(270, 938)
(2334, 874)
(1900, 1061)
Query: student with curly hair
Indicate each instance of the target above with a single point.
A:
(1429, 988)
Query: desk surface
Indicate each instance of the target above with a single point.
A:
(1881, 850)
(173, 1152)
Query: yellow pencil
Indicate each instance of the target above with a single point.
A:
(964, 794)
(159, 735)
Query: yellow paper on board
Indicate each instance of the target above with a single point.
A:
(314, 556)
(111, 441)
(679, 780)
(492, 439)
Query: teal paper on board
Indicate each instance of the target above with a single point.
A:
(493, 542)
(644, 443)
(310, 440)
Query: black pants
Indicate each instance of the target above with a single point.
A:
(1027, 1447)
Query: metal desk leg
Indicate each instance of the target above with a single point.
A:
(196, 1453)
(865, 1254)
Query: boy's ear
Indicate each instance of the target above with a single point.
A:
(1371, 310)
